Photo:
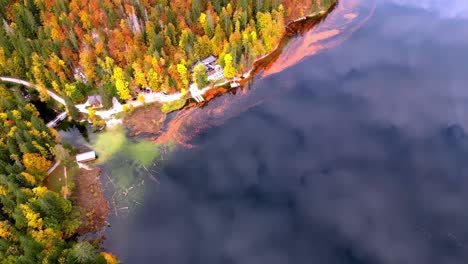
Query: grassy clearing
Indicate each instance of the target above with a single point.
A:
(119, 115)
(56, 180)
(173, 106)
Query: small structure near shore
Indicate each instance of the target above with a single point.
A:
(85, 157)
(94, 101)
(57, 120)
(234, 84)
(196, 94)
(214, 71)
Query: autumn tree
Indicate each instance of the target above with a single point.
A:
(72, 111)
(36, 164)
(202, 48)
(199, 75)
(110, 259)
(96, 121)
(121, 84)
(207, 24)
(229, 70)
(183, 73)
(87, 62)
(139, 75)
(62, 155)
(141, 98)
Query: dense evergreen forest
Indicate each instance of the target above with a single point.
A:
(115, 47)
(36, 225)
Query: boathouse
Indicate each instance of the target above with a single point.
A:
(86, 156)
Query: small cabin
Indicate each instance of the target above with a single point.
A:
(86, 157)
(94, 101)
(214, 72)
(209, 63)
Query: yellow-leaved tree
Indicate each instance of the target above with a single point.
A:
(229, 70)
(154, 80)
(139, 75)
(141, 98)
(183, 74)
(2, 58)
(36, 165)
(121, 84)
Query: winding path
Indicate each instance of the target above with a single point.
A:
(104, 114)
(54, 96)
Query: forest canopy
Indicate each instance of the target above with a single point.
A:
(37, 225)
(115, 47)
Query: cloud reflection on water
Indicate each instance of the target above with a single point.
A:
(445, 8)
(364, 161)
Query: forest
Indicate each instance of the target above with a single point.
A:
(37, 225)
(116, 47)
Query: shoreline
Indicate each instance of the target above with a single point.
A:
(292, 28)
(90, 198)
(299, 24)
(314, 18)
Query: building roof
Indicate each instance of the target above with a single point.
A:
(208, 60)
(94, 100)
(210, 67)
(87, 156)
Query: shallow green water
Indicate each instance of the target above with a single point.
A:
(127, 163)
(114, 144)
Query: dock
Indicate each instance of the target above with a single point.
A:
(196, 94)
(234, 84)
(57, 120)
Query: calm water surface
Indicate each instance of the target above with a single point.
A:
(361, 156)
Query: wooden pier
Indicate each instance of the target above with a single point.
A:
(57, 120)
(196, 94)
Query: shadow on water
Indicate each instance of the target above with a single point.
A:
(45, 110)
(75, 133)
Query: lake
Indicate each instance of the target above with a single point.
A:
(356, 154)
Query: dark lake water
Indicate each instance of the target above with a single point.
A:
(360, 157)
